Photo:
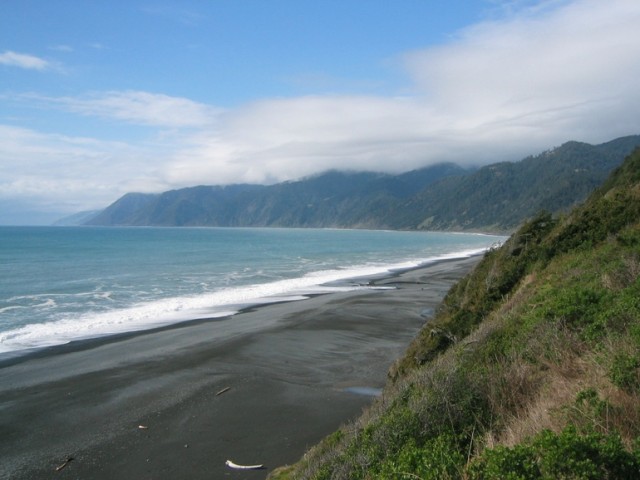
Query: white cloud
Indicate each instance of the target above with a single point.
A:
(538, 72)
(61, 48)
(141, 108)
(67, 174)
(553, 72)
(499, 90)
(184, 16)
(22, 60)
(70, 173)
(283, 139)
(518, 7)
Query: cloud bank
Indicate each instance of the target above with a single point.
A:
(57, 172)
(499, 90)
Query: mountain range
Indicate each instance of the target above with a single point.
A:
(446, 196)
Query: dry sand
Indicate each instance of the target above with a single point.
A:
(289, 368)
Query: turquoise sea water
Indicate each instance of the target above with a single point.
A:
(59, 284)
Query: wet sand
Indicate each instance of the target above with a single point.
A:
(290, 372)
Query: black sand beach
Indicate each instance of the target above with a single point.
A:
(288, 369)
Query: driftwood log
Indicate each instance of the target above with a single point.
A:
(230, 464)
(225, 389)
(62, 465)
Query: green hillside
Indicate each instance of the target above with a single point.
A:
(497, 197)
(530, 368)
(502, 195)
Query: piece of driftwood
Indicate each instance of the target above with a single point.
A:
(62, 465)
(225, 389)
(230, 464)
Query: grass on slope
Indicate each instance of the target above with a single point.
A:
(530, 369)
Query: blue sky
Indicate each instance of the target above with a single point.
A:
(101, 98)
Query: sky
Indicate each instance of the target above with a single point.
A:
(100, 98)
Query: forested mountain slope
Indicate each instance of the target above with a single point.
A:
(502, 195)
(530, 368)
(442, 197)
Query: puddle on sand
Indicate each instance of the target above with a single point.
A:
(368, 391)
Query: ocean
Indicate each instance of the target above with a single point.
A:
(60, 284)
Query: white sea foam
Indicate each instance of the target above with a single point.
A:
(40, 335)
(11, 307)
(219, 303)
(48, 303)
(142, 290)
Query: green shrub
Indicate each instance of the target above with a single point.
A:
(500, 462)
(590, 413)
(438, 459)
(567, 455)
(625, 371)
(629, 237)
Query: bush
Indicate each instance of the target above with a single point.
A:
(625, 372)
(514, 463)
(438, 459)
(567, 455)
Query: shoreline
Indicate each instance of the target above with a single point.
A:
(19, 356)
(359, 277)
(295, 371)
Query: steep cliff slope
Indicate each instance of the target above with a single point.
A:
(530, 368)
